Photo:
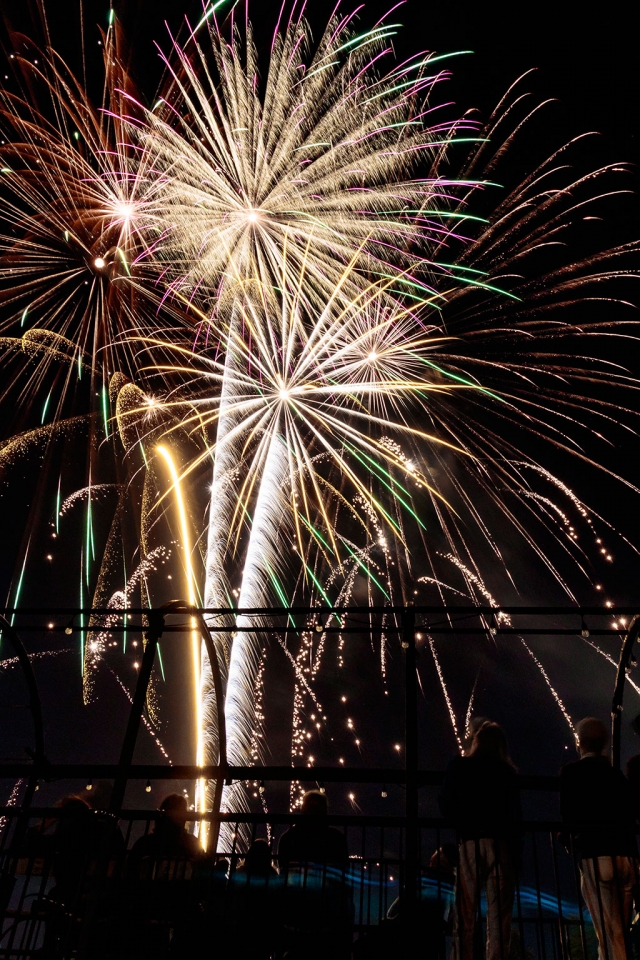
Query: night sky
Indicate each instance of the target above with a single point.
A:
(587, 62)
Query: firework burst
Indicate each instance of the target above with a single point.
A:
(379, 379)
(308, 167)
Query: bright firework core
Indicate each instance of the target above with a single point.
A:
(253, 216)
(99, 263)
(123, 210)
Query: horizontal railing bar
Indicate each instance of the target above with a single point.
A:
(211, 772)
(348, 820)
(467, 631)
(79, 771)
(316, 611)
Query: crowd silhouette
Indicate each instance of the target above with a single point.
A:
(296, 900)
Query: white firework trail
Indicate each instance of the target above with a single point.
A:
(469, 713)
(78, 496)
(614, 663)
(475, 580)
(10, 662)
(98, 636)
(556, 696)
(152, 733)
(452, 713)
(12, 800)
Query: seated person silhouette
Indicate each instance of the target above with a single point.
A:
(312, 840)
(253, 894)
(168, 839)
(257, 863)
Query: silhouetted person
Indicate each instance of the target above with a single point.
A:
(257, 862)
(83, 841)
(312, 840)
(594, 794)
(81, 835)
(159, 864)
(472, 728)
(250, 906)
(480, 796)
(168, 839)
(74, 844)
(312, 858)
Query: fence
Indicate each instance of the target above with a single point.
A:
(73, 885)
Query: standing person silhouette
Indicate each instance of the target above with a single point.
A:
(480, 796)
(595, 795)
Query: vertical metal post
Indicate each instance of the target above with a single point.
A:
(412, 866)
(618, 692)
(153, 634)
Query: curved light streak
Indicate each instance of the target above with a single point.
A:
(196, 643)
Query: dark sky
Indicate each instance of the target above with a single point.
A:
(587, 60)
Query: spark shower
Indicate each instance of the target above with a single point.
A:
(293, 284)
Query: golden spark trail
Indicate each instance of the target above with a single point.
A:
(200, 798)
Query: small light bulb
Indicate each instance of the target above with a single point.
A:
(148, 787)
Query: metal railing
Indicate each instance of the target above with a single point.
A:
(178, 904)
(98, 897)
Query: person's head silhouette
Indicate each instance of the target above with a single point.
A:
(314, 804)
(258, 858)
(175, 809)
(490, 740)
(593, 736)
